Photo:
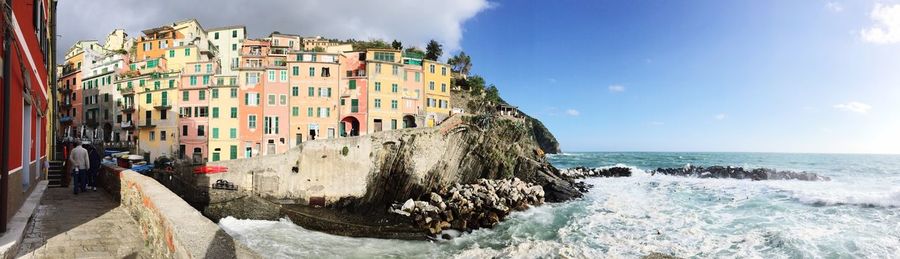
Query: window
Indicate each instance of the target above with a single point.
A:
(384, 56)
(431, 85)
(271, 75)
(234, 46)
(378, 86)
(443, 71)
(311, 91)
(309, 112)
(377, 103)
(431, 68)
(377, 68)
(233, 92)
(215, 133)
(394, 104)
(215, 156)
(215, 112)
(201, 131)
(186, 95)
(202, 111)
(443, 87)
(233, 152)
(271, 99)
(284, 76)
(252, 78)
(393, 124)
(152, 135)
(193, 80)
(234, 34)
(184, 130)
(395, 70)
(215, 93)
(251, 99)
(326, 72)
(187, 52)
(394, 88)
(202, 94)
(149, 98)
(232, 133)
(216, 35)
(352, 84)
(295, 91)
(234, 112)
(251, 122)
(172, 83)
(197, 68)
(206, 80)
(283, 99)
(295, 71)
(172, 53)
(312, 72)
(295, 111)
(354, 105)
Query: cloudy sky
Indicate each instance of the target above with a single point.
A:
(647, 75)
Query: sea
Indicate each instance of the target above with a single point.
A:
(855, 215)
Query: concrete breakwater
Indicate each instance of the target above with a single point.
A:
(466, 207)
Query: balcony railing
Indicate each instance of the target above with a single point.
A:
(127, 91)
(163, 106)
(128, 109)
(126, 125)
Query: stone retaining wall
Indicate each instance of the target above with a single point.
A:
(170, 227)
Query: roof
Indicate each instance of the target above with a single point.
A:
(230, 27)
(283, 34)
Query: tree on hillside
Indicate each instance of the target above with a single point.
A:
(434, 50)
(372, 44)
(397, 45)
(461, 63)
(413, 51)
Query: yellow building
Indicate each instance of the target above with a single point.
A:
(385, 78)
(224, 98)
(177, 57)
(156, 99)
(437, 92)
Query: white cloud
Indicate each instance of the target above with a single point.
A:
(616, 88)
(856, 107)
(720, 116)
(834, 7)
(414, 23)
(886, 29)
(573, 112)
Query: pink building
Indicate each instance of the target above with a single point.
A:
(194, 110)
(276, 108)
(265, 110)
(353, 95)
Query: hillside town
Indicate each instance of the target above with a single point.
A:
(185, 92)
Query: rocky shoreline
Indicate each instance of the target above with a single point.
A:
(466, 207)
(584, 172)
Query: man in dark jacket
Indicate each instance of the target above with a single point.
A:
(95, 168)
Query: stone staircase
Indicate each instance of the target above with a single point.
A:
(56, 174)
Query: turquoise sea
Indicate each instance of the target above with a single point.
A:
(856, 214)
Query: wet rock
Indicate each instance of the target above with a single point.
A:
(756, 174)
(465, 207)
(583, 172)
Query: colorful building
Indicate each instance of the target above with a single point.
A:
(384, 68)
(251, 67)
(314, 81)
(354, 102)
(225, 119)
(411, 102)
(25, 105)
(154, 88)
(228, 41)
(193, 122)
(437, 92)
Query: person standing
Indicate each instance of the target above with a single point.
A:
(94, 168)
(81, 163)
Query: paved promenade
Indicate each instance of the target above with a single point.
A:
(89, 225)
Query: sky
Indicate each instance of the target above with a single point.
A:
(631, 75)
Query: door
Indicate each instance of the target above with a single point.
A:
(377, 125)
(26, 146)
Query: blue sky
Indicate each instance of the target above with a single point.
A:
(760, 76)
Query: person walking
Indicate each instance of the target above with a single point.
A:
(94, 168)
(81, 163)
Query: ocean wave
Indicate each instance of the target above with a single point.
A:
(868, 200)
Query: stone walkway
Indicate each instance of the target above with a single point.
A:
(89, 225)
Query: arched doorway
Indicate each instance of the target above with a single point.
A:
(409, 121)
(349, 126)
(107, 132)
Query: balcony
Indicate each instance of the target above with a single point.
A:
(127, 125)
(162, 107)
(128, 109)
(65, 105)
(278, 52)
(147, 125)
(127, 91)
(252, 65)
(64, 90)
(279, 63)
(253, 53)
